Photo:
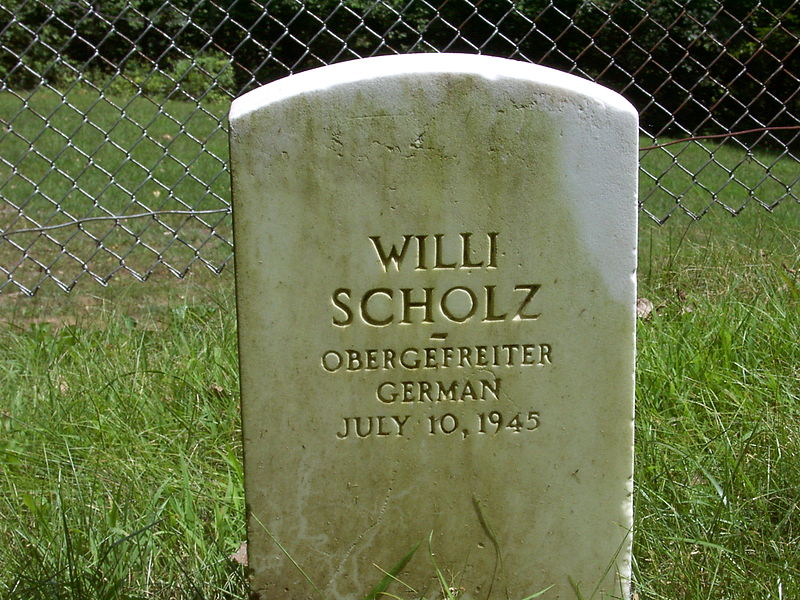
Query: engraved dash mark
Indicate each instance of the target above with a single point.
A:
(438, 337)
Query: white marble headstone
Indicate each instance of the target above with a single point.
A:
(435, 264)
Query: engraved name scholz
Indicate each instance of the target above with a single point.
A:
(384, 306)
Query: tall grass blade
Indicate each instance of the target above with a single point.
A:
(290, 557)
(392, 574)
(539, 593)
(442, 582)
(498, 557)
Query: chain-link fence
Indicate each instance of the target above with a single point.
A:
(113, 150)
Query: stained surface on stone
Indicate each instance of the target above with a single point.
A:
(435, 261)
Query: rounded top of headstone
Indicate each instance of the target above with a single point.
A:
(379, 67)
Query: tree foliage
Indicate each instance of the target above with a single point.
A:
(688, 65)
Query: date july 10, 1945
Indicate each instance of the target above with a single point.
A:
(392, 426)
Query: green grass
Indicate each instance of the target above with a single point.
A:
(714, 176)
(120, 466)
(718, 409)
(84, 156)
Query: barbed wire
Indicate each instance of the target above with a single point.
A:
(116, 218)
(718, 136)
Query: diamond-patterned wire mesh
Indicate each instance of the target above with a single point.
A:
(113, 150)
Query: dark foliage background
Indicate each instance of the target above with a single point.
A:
(699, 66)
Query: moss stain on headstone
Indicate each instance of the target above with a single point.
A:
(424, 155)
